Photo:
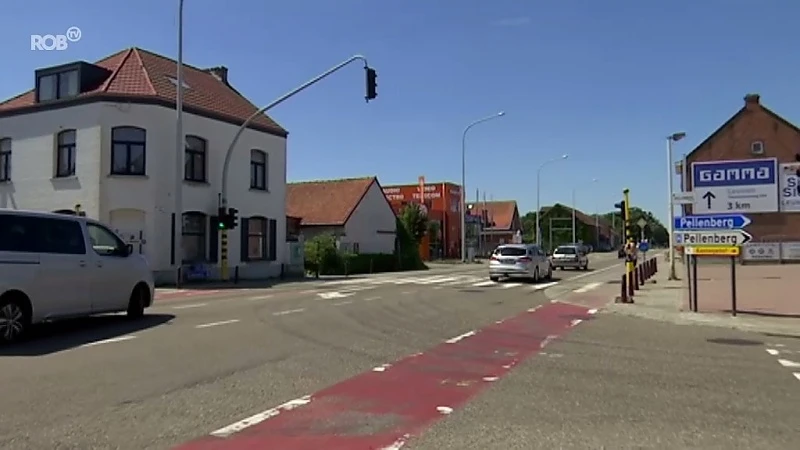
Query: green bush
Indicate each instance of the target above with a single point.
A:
(322, 257)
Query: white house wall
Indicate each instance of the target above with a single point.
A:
(373, 223)
(148, 199)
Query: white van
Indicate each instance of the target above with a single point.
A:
(56, 266)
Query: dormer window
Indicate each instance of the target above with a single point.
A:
(56, 86)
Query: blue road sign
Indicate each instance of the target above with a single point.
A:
(644, 246)
(730, 187)
(712, 222)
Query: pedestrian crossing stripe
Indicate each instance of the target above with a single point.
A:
(439, 280)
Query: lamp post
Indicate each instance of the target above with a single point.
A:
(574, 207)
(177, 229)
(675, 137)
(464, 181)
(539, 197)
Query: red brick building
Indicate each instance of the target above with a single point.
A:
(756, 132)
(442, 201)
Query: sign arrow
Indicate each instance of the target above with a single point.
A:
(708, 196)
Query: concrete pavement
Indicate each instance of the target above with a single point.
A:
(201, 363)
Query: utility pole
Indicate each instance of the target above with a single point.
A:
(180, 149)
(371, 85)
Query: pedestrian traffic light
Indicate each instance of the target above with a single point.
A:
(233, 218)
(372, 84)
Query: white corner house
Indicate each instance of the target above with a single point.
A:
(101, 137)
(354, 210)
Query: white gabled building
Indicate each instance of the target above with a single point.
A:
(353, 210)
(101, 137)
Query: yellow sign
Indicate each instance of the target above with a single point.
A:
(713, 251)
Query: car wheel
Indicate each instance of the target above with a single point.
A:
(137, 302)
(495, 279)
(14, 320)
(549, 275)
(536, 275)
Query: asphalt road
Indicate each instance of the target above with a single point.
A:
(200, 363)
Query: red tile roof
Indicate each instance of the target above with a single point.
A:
(605, 227)
(138, 74)
(326, 202)
(501, 212)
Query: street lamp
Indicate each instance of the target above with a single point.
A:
(464, 181)
(539, 198)
(596, 223)
(180, 148)
(675, 137)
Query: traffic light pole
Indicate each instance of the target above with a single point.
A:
(629, 238)
(243, 126)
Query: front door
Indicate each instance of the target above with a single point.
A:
(110, 275)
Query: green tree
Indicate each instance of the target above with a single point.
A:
(655, 231)
(415, 221)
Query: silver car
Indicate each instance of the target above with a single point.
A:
(572, 256)
(519, 261)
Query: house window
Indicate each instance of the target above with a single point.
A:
(195, 159)
(258, 170)
(193, 237)
(128, 151)
(57, 86)
(65, 154)
(257, 239)
(5, 159)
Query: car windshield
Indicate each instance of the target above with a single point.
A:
(565, 251)
(511, 251)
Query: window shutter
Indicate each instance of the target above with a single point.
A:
(213, 239)
(243, 225)
(273, 238)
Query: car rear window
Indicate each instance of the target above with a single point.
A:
(565, 251)
(511, 251)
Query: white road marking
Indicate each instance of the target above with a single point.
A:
(346, 302)
(288, 311)
(587, 288)
(381, 368)
(194, 305)
(484, 283)
(796, 375)
(334, 294)
(110, 340)
(369, 299)
(308, 291)
(575, 322)
(539, 287)
(260, 297)
(788, 363)
(460, 337)
(215, 324)
(592, 311)
(398, 444)
(772, 352)
(444, 410)
(434, 280)
(510, 285)
(407, 292)
(490, 379)
(260, 417)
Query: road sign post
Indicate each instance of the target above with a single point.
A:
(744, 186)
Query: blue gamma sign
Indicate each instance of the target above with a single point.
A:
(712, 222)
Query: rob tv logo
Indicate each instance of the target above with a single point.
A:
(50, 42)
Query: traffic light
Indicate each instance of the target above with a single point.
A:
(622, 208)
(233, 218)
(221, 218)
(372, 83)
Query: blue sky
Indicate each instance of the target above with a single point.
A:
(603, 81)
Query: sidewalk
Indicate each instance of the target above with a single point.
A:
(767, 301)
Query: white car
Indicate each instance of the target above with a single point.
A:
(519, 261)
(56, 266)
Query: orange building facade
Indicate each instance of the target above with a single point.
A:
(442, 201)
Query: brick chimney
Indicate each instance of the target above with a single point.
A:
(220, 73)
(752, 100)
